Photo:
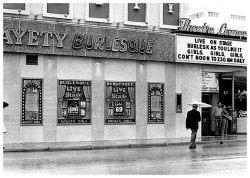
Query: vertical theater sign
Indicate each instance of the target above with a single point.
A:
(120, 103)
(74, 102)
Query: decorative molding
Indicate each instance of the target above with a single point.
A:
(146, 23)
(104, 20)
(16, 11)
(61, 16)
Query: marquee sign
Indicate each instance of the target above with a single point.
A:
(211, 51)
(185, 25)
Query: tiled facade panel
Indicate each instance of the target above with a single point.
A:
(169, 95)
(50, 99)
(74, 68)
(191, 91)
(117, 70)
(141, 101)
(52, 68)
(78, 68)
(31, 133)
(98, 93)
(12, 95)
(156, 74)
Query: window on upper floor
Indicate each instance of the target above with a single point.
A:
(58, 10)
(136, 14)
(16, 8)
(197, 15)
(169, 15)
(238, 17)
(213, 14)
(99, 12)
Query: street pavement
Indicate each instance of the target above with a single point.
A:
(229, 158)
(111, 144)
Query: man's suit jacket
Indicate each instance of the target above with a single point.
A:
(193, 117)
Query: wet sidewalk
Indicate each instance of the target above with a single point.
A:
(114, 144)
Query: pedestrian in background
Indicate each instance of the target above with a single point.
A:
(225, 119)
(4, 128)
(218, 118)
(192, 120)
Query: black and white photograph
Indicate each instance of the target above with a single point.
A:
(125, 88)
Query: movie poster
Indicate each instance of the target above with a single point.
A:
(31, 102)
(120, 103)
(74, 104)
(155, 103)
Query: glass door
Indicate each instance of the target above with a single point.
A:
(206, 116)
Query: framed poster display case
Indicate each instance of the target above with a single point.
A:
(120, 103)
(74, 102)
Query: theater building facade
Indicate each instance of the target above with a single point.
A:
(73, 82)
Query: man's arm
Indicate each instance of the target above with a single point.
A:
(199, 115)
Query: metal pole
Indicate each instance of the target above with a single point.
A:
(233, 92)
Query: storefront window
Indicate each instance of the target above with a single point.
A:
(136, 14)
(74, 102)
(155, 103)
(240, 96)
(120, 103)
(99, 12)
(31, 102)
(16, 8)
(58, 10)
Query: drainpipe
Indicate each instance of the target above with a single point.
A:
(233, 92)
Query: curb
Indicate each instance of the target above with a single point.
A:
(123, 146)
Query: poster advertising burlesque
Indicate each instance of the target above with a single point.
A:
(120, 103)
(155, 103)
(31, 102)
(74, 102)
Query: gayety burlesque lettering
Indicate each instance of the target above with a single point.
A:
(133, 45)
(33, 37)
(88, 41)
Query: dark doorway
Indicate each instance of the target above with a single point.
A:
(226, 91)
(206, 116)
